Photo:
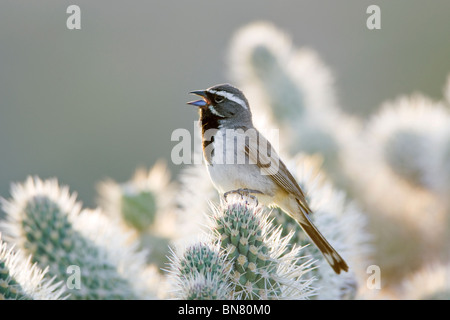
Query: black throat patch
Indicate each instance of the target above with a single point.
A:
(210, 124)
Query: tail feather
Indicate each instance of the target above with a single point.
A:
(300, 214)
(330, 254)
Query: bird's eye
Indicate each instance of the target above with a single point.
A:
(218, 99)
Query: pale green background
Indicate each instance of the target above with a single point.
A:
(95, 103)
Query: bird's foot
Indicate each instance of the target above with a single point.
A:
(243, 192)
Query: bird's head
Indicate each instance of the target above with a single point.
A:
(223, 102)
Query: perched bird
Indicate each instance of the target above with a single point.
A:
(240, 160)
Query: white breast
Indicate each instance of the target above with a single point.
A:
(229, 169)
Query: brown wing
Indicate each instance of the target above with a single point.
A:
(272, 166)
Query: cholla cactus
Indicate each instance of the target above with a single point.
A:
(438, 177)
(263, 58)
(430, 283)
(138, 201)
(144, 205)
(200, 272)
(263, 265)
(404, 136)
(45, 221)
(21, 280)
(392, 167)
(342, 223)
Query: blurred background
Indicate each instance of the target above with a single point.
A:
(83, 105)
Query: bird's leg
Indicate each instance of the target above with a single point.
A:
(243, 192)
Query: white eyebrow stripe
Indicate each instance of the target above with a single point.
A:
(214, 111)
(230, 96)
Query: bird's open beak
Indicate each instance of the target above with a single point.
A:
(199, 103)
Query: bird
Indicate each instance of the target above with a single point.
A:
(239, 159)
